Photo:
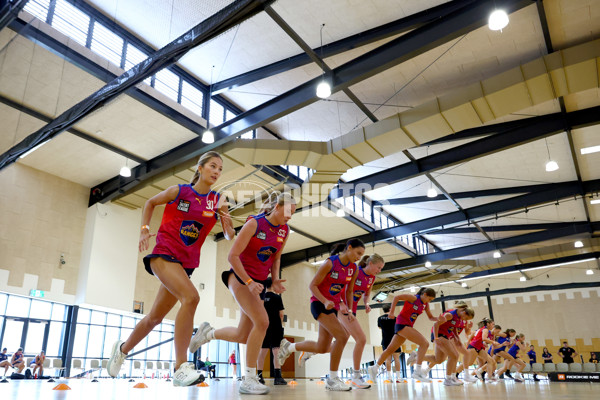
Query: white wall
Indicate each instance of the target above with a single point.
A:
(107, 271)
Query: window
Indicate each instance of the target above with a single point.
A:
(247, 135)
(229, 115)
(167, 83)
(191, 98)
(95, 341)
(81, 340)
(377, 217)
(107, 44)
(217, 113)
(18, 306)
(38, 8)
(55, 339)
(358, 206)
(59, 312)
(134, 56)
(71, 21)
(40, 309)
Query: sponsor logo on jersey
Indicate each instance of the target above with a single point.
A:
(357, 295)
(264, 253)
(358, 282)
(183, 206)
(336, 288)
(415, 307)
(282, 233)
(280, 240)
(262, 235)
(334, 275)
(208, 213)
(189, 232)
(413, 317)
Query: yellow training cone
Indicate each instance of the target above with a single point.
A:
(62, 386)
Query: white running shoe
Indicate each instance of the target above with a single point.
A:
(116, 360)
(493, 379)
(478, 374)
(518, 377)
(186, 375)
(373, 370)
(412, 358)
(284, 351)
(251, 385)
(336, 385)
(359, 383)
(452, 382)
(469, 378)
(420, 377)
(455, 379)
(304, 357)
(200, 337)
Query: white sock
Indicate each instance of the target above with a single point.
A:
(449, 377)
(292, 347)
(357, 373)
(418, 368)
(333, 374)
(389, 375)
(250, 372)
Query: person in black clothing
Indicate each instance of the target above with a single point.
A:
(567, 353)
(387, 326)
(547, 356)
(274, 335)
(532, 360)
(4, 360)
(206, 366)
(593, 358)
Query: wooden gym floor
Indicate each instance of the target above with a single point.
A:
(305, 389)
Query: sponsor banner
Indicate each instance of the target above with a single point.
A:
(574, 377)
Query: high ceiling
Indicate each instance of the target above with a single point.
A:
(455, 111)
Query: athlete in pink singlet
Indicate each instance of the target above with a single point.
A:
(191, 212)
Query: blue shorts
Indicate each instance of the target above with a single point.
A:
(399, 327)
(499, 349)
(317, 308)
(166, 257)
(439, 335)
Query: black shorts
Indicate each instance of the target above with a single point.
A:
(475, 348)
(399, 327)
(272, 338)
(317, 308)
(225, 278)
(166, 257)
(385, 345)
(439, 335)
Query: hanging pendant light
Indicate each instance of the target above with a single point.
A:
(208, 137)
(498, 20)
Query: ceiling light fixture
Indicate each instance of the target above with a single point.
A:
(590, 150)
(578, 244)
(208, 136)
(595, 201)
(427, 264)
(498, 20)
(497, 254)
(125, 170)
(589, 272)
(550, 165)
(413, 289)
(431, 193)
(464, 284)
(324, 87)
(522, 279)
(33, 149)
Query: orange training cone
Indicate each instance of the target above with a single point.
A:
(202, 384)
(387, 381)
(61, 386)
(370, 382)
(320, 383)
(140, 386)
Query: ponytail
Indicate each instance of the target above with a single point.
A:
(274, 199)
(204, 158)
(373, 258)
(484, 322)
(339, 247)
(509, 331)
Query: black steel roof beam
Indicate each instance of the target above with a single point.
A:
(556, 192)
(9, 9)
(211, 27)
(502, 228)
(465, 195)
(532, 265)
(521, 240)
(360, 39)
(73, 131)
(537, 128)
(380, 59)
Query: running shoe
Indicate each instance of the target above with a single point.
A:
(116, 360)
(200, 337)
(336, 385)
